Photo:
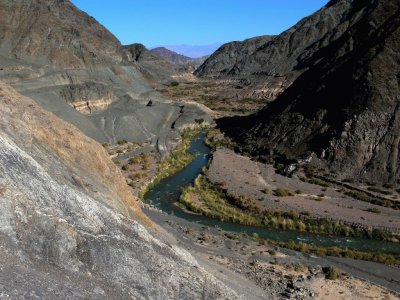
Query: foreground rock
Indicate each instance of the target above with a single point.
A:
(70, 228)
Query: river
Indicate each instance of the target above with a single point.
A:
(166, 193)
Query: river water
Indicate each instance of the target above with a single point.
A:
(168, 191)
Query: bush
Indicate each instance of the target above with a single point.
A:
(174, 83)
(331, 273)
(121, 142)
(282, 193)
(299, 267)
(374, 210)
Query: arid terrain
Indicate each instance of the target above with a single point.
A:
(258, 181)
(302, 129)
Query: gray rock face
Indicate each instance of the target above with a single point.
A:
(55, 32)
(69, 227)
(72, 66)
(344, 108)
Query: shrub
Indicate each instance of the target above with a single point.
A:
(121, 142)
(374, 210)
(174, 83)
(331, 273)
(299, 267)
(282, 193)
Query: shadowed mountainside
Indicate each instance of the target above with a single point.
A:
(344, 110)
(265, 66)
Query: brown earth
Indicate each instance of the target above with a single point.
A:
(258, 181)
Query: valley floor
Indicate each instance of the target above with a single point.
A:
(252, 268)
(259, 182)
(260, 271)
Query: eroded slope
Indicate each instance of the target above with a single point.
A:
(70, 228)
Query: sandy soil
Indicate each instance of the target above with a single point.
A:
(258, 181)
(259, 271)
(354, 289)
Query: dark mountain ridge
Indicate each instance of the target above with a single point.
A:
(344, 110)
(269, 64)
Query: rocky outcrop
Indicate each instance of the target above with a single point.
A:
(344, 110)
(69, 226)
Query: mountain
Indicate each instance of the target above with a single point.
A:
(72, 66)
(55, 32)
(343, 110)
(264, 66)
(155, 67)
(195, 51)
(172, 56)
(70, 227)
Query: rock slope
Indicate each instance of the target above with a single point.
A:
(344, 110)
(265, 66)
(56, 32)
(72, 66)
(70, 228)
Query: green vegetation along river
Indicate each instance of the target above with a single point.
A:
(166, 193)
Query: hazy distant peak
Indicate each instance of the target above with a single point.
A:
(194, 51)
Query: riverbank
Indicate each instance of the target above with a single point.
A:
(173, 162)
(263, 271)
(164, 197)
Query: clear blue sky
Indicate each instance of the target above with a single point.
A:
(196, 22)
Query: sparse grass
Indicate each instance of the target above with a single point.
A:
(176, 161)
(217, 203)
(379, 257)
(367, 198)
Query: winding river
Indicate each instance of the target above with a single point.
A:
(168, 191)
